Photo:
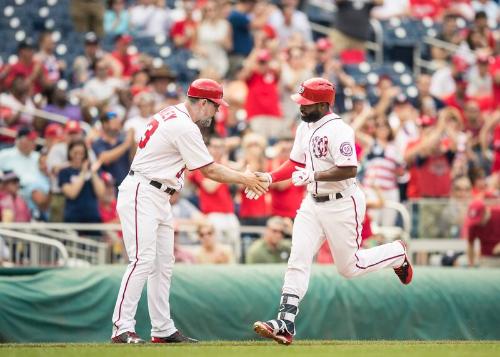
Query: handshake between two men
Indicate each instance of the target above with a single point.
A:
(300, 177)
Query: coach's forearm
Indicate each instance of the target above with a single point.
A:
(336, 173)
(222, 174)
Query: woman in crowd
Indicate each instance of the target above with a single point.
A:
(81, 185)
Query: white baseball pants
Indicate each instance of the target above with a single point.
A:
(148, 234)
(340, 221)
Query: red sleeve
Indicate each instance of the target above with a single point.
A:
(284, 172)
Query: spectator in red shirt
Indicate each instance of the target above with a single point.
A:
(254, 212)
(473, 121)
(129, 62)
(107, 211)
(489, 137)
(26, 66)
(216, 201)
(11, 117)
(481, 25)
(483, 223)
(263, 101)
(183, 32)
(107, 203)
(13, 208)
(430, 158)
(495, 74)
(459, 96)
(285, 197)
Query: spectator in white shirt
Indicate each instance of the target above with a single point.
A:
(491, 8)
(146, 105)
(443, 80)
(480, 81)
(288, 21)
(390, 9)
(103, 88)
(149, 18)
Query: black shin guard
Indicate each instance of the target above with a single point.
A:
(289, 308)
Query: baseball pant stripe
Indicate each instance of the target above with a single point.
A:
(136, 260)
(394, 257)
(357, 227)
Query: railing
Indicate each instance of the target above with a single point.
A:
(376, 47)
(34, 250)
(25, 240)
(44, 115)
(419, 62)
(81, 250)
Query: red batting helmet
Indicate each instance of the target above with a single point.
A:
(315, 90)
(207, 89)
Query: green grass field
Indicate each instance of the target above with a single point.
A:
(252, 348)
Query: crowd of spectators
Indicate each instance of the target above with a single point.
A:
(441, 143)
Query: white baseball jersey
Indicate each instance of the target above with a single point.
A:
(320, 146)
(171, 143)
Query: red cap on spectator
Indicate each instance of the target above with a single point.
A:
(207, 89)
(426, 120)
(315, 90)
(323, 44)
(475, 212)
(264, 55)
(27, 132)
(124, 39)
(72, 127)
(269, 31)
(459, 63)
(53, 131)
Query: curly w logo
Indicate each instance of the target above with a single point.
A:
(320, 146)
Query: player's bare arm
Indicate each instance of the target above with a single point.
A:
(304, 176)
(223, 174)
(336, 173)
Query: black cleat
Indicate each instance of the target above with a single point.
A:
(128, 337)
(176, 337)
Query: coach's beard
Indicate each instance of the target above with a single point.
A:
(205, 123)
(312, 117)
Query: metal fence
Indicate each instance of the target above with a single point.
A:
(429, 225)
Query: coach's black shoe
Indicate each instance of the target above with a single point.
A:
(274, 329)
(176, 337)
(405, 271)
(128, 337)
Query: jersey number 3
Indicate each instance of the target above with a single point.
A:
(150, 129)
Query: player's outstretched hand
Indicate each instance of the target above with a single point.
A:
(302, 176)
(265, 178)
(257, 185)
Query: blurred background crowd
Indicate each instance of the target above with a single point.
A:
(418, 80)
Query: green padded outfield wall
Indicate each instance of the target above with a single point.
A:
(222, 302)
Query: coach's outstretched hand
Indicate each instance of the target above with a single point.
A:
(265, 178)
(257, 185)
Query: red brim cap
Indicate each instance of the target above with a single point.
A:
(32, 136)
(297, 98)
(220, 102)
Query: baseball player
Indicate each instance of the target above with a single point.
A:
(171, 143)
(323, 158)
